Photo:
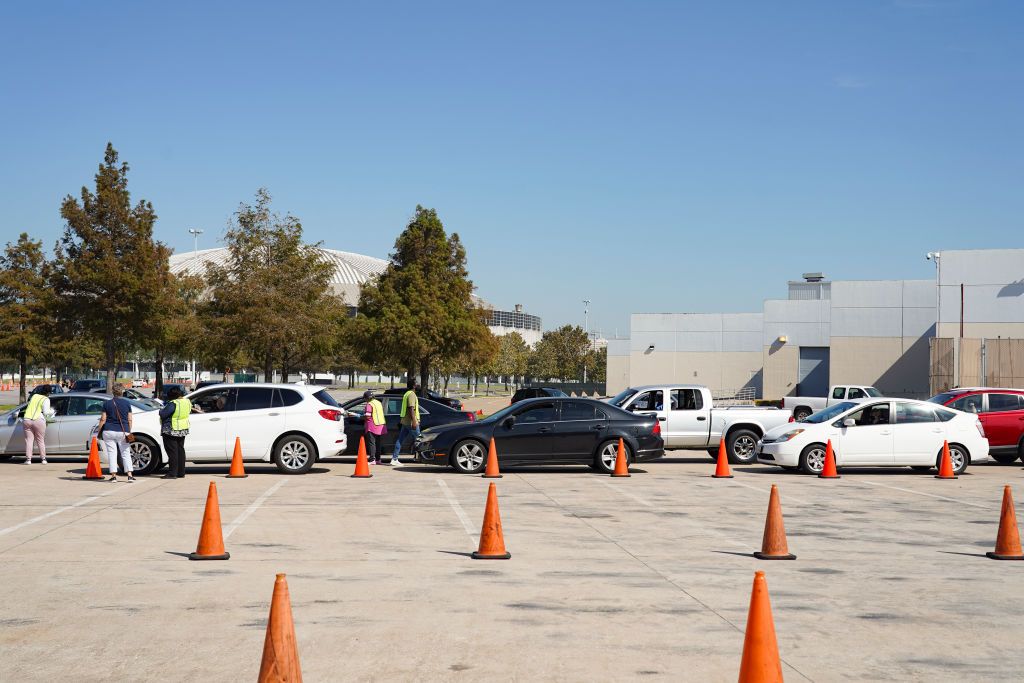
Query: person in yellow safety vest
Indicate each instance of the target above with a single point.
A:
(173, 430)
(373, 427)
(410, 420)
(34, 422)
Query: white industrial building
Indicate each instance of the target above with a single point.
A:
(907, 337)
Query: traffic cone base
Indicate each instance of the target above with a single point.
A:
(996, 556)
(237, 470)
(211, 539)
(1008, 539)
(761, 556)
(722, 470)
(829, 471)
(362, 464)
(621, 462)
(477, 556)
(492, 540)
(492, 471)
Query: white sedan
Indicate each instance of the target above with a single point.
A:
(290, 425)
(877, 433)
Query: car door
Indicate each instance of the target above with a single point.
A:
(917, 434)
(1003, 419)
(207, 429)
(869, 441)
(686, 420)
(530, 436)
(650, 402)
(579, 430)
(12, 432)
(74, 428)
(55, 442)
(255, 421)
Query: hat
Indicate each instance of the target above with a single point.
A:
(367, 394)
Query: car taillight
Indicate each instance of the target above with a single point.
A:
(470, 416)
(331, 414)
(792, 419)
(657, 429)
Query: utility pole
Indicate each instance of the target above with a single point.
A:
(586, 329)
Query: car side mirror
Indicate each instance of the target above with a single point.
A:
(849, 422)
(509, 422)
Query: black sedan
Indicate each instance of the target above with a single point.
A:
(545, 431)
(453, 403)
(431, 415)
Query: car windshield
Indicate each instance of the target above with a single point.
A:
(620, 398)
(326, 398)
(501, 414)
(872, 392)
(943, 398)
(829, 413)
(139, 405)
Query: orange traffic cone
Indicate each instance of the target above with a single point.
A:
(621, 462)
(211, 540)
(480, 413)
(760, 662)
(1008, 539)
(237, 469)
(773, 544)
(93, 469)
(492, 541)
(280, 662)
(722, 470)
(945, 464)
(492, 463)
(362, 465)
(828, 471)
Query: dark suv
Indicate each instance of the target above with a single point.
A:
(90, 385)
(453, 403)
(1001, 412)
(537, 392)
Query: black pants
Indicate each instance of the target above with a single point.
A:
(175, 448)
(372, 446)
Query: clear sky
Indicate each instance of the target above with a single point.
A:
(650, 156)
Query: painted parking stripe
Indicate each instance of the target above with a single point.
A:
(252, 508)
(627, 494)
(789, 498)
(459, 512)
(52, 513)
(922, 493)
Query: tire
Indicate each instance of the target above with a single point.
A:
(921, 468)
(812, 459)
(713, 452)
(6, 456)
(145, 455)
(607, 452)
(801, 412)
(741, 445)
(294, 454)
(960, 457)
(468, 457)
(1004, 458)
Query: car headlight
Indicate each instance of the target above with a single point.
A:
(427, 438)
(789, 435)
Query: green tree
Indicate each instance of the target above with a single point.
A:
(272, 300)
(597, 365)
(106, 264)
(513, 356)
(24, 318)
(420, 311)
(560, 353)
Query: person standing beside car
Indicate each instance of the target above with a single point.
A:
(173, 430)
(410, 420)
(37, 412)
(115, 428)
(374, 427)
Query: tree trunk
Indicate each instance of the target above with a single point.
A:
(22, 362)
(158, 382)
(268, 367)
(111, 364)
(424, 373)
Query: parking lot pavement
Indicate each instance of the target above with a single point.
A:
(609, 578)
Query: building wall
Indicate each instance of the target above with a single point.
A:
(617, 373)
(722, 372)
(803, 322)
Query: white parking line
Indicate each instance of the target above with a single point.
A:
(40, 518)
(252, 508)
(922, 493)
(789, 498)
(459, 512)
(626, 493)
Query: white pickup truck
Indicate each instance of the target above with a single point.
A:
(802, 406)
(689, 419)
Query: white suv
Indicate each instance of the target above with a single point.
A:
(292, 425)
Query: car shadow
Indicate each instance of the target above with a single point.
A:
(844, 471)
(513, 469)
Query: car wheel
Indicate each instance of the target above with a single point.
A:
(6, 456)
(741, 446)
(145, 455)
(921, 468)
(469, 456)
(713, 452)
(1003, 458)
(294, 454)
(801, 413)
(812, 459)
(607, 452)
(959, 457)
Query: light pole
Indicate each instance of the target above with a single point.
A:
(195, 232)
(586, 329)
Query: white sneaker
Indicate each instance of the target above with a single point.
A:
(28, 461)
(395, 462)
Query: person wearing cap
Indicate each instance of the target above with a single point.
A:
(374, 427)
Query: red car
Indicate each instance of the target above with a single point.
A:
(1002, 415)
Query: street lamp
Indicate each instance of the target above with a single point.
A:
(586, 329)
(195, 232)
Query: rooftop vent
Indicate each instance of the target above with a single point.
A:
(813, 277)
(519, 308)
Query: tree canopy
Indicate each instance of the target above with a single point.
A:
(24, 319)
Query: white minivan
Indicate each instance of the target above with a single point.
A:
(291, 425)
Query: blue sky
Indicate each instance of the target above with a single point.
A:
(649, 156)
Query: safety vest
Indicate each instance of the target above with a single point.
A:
(182, 409)
(405, 404)
(377, 412)
(35, 407)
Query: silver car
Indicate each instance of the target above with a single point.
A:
(75, 415)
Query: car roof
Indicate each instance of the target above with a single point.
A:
(648, 387)
(304, 388)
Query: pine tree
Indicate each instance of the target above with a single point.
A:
(23, 305)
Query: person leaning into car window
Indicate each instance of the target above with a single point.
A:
(173, 430)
